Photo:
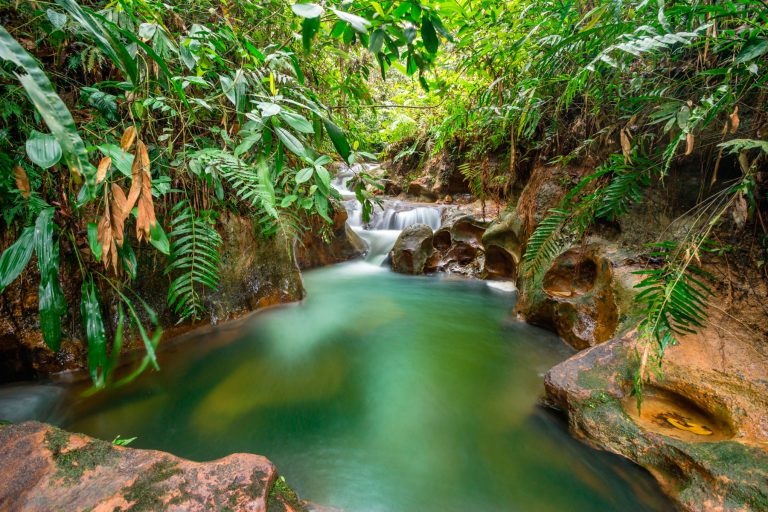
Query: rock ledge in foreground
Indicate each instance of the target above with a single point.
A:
(44, 468)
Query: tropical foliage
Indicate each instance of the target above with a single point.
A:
(114, 111)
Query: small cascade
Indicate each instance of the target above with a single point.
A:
(387, 220)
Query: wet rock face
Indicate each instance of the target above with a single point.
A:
(700, 430)
(45, 468)
(412, 249)
(341, 244)
(578, 284)
(503, 246)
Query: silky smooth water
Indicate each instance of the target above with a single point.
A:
(379, 392)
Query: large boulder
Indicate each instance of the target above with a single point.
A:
(458, 245)
(412, 249)
(44, 468)
(503, 245)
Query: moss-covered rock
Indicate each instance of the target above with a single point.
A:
(43, 468)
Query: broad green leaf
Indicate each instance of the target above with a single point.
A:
(57, 19)
(304, 175)
(122, 160)
(158, 239)
(93, 240)
(43, 149)
(267, 190)
(324, 178)
(51, 108)
(15, 258)
(431, 42)
(51, 300)
(321, 206)
(338, 139)
(307, 10)
(290, 141)
(297, 122)
(90, 310)
(376, 41)
(268, 109)
(752, 50)
(356, 22)
(309, 27)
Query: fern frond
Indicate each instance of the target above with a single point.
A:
(194, 260)
(546, 242)
(252, 184)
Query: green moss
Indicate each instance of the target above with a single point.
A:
(146, 493)
(256, 488)
(72, 464)
(281, 493)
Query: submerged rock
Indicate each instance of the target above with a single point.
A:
(412, 249)
(44, 468)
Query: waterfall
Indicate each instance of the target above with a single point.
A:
(387, 220)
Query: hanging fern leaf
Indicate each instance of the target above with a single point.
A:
(546, 242)
(194, 260)
(252, 184)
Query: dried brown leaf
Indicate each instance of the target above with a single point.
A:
(138, 171)
(626, 145)
(688, 144)
(101, 171)
(118, 220)
(126, 141)
(735, 119)
(105, 237)
(740, 211)
(22, 180)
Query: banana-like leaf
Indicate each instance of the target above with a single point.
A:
(15, 258)
(51, 108)
(90, 310)
(106, 40)
(51, 300)
(338, 139)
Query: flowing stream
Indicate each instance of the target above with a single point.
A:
(379, 392)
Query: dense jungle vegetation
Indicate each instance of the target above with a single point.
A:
(130, 125)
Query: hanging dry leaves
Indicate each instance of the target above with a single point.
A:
(129, 136)
(22, 181)
(101, 171)
(626, 145)
(105, 238)
(735, 119)
(688, 144)
(111, 227)
(740, 211)
(141, 192)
